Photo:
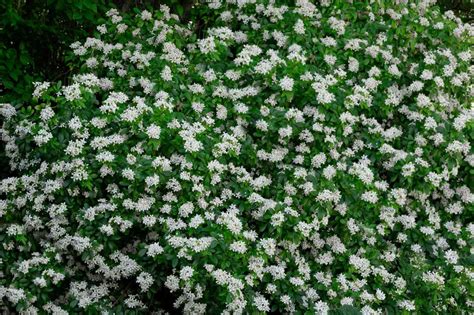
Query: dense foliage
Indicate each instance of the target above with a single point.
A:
(35, 37)
(292, 159)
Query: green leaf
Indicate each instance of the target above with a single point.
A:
(91, 5)
(174, 262)
(76, 15)
(180, 10)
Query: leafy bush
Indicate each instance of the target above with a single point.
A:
(293, 159)
(35, 36)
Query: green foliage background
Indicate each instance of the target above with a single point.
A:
(35, 36)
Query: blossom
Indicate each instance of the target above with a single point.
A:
(261, 303)
(238, 247)
(7, 111)
(207, 45)
(40, 88)
(145, 280)
(72, 92)
(154, 249)
(369, 196)
(186, 273)
(46, 114)
(153, 131)
(43, 136)
(286, 83)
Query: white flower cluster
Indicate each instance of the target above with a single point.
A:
(297, 159)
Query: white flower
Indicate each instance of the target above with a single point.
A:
(434, 178)
(207, 45)
(186, 273)
(40, 282)
(238, 247)
(318, 160)
(153, 131)
(132, 302)
(408, 169)
(261, 303)
(299, 27)
(277, 219)
(370, 197)
(74, 148)
(152, 180)
(72, 92)
(451, 256)
(455, 208)
(40, 88)
(128, 173)
(145, 280)
(353, 64)
(329, 196)
(337, 25)
(154, 249)
(406, 305)
(323, 96)
(286, 83)
(362, 265)
(7, 111)
(146, 15)
(329, 172)
(166, 74)
(330, 59)
(102, 28)
(46, 113)
(198, 107)
(269, 246)
(285, 132)
(433, 277)
(42, 137)
(112, 101)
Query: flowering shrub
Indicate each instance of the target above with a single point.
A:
(294, 159)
